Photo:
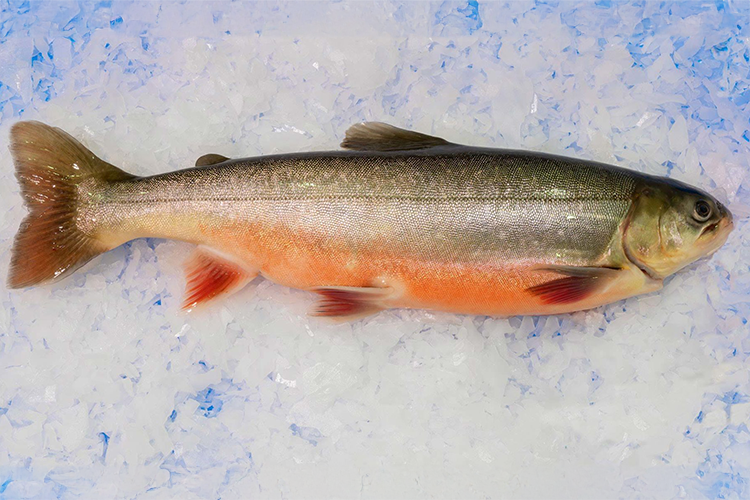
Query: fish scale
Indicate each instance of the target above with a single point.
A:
(403, 220)
(497, 202)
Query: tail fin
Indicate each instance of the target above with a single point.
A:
(50, 165)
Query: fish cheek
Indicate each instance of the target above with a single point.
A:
(672, 230)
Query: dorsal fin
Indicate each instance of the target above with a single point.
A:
(376, 136)
(210, 159)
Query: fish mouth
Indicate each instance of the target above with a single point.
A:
(710, 228)
(724, 224)
(716, 234)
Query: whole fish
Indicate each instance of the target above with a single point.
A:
(397, 219)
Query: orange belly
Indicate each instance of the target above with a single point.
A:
(310, 261)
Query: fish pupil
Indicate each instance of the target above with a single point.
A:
(702, 210)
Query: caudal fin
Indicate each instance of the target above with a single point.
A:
(50, 166)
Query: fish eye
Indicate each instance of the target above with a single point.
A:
(702, 211)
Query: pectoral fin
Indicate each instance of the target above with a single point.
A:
(350, 303)
(577, 284)
(210, 275)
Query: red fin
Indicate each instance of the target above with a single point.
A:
(350, 303)
(210, 275)
(579, 283)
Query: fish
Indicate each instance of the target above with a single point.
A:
(394, 219)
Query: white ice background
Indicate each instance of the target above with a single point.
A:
(108, 390)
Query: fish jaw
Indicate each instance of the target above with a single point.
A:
(716, 236)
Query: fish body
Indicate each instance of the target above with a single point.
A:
(402, 220)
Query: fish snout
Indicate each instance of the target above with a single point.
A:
(726, 223)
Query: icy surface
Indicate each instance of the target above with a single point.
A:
(108, 390)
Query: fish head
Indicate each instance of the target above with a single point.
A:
(672, 225)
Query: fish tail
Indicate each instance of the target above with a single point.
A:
(53, 170)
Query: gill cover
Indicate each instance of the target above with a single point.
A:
(671, 225)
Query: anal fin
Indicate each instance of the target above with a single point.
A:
(577, 284)
(349, 303)
(210, 275)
